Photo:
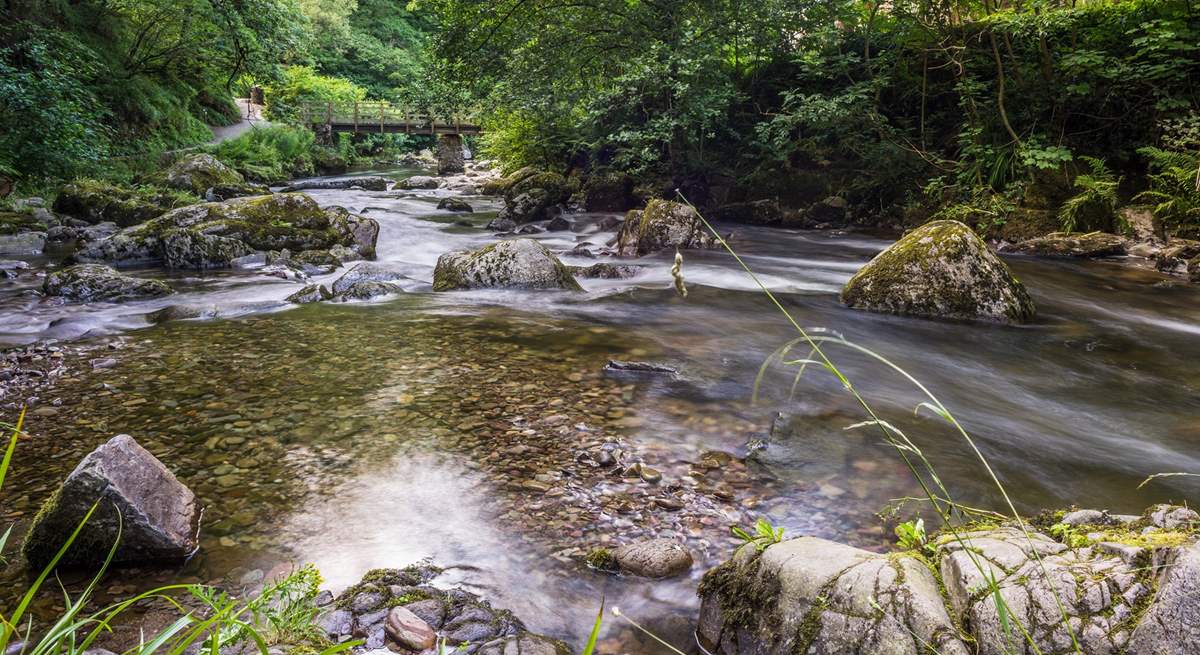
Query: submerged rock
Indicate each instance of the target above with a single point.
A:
(940, 270)
(663, 224)
(656, 558)
(617, 366)
(134, 495)
(520, 263)
(368, 183)
(309, 294)
(198, 173)
(214, 235)
(364, 272)
(810, 595)
(1073, 244)
(454, 205)
(95, 282)
(368, 289)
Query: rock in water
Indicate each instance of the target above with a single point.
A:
(519, 263)
(96, 282)
(940, 270)
(656, 558)
(199, 173)
(409, 630)
(155, 515)
(454, 205)
(1065, 244)
(368, 183)
(364, 272)
(662, 224)
(810, 595)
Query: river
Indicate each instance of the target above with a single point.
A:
(452, 425)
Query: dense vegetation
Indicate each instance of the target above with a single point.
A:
(970, 108)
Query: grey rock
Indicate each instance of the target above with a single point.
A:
(662, 225)
(454, 205)
(618, 366)
(309, 294)
(364, 272)
(25, 243)
(470, 632)
(11, 268)
(94, 283)
(223, 192)
(1173, 517)
(824, 598)
(558, 224)
(606, 271)
(189, 249)
(1064, 244)
(336, 624)
(516, 263)
(366, 601)
(502, 225)
(156, 516)
(655, 558)
(197, 173)
(418, 182)
(430, 610)
(1087, 517)
(366, 290)
(1172, 623)
(940, 270)
(368, 183)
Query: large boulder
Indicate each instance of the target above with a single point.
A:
(213, 235)
(135, 498)
(661, 225)
(95, 282)
(756, 212)
(940, 270)
(814, 596)
(501, 186)
(198, 173)
(521, 263)
(223, 192)
(535, 197)
(98, 202)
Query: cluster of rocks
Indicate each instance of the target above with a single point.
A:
(26, 372)
(1108, 584)
(401, 610)
(364, 281)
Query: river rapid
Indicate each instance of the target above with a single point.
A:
(456, 426)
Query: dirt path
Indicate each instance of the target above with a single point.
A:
(251, 118)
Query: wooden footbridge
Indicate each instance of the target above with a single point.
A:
(383, 118)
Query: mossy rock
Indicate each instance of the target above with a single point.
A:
(555, 186)
(96, 202)
(940, 270)
(501, 186)
(608, 192)
(198, 173)
(18, 222)
(517, 263)
(1075, 244)
(661, 225)
(96, 283)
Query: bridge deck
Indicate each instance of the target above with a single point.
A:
(383, 118)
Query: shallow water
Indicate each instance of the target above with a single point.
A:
(449, 425)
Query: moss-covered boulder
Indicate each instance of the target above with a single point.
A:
(663, 224)
(608, 192)
(212, 235)
(757, 212)
(198, 173)
(518, 263)
(501, 186)
(223, 192)
(1074, 244)
(940, 270)
(536, 197)
(95, 282)
(98, 202)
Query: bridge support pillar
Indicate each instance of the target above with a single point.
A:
(450, 154)
(324, 135)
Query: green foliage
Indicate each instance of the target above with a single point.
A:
(1096, 204)
(1174, 188)
(269, 154)
(910, 535)
(764, 535)
(301, 85)
(282, 613)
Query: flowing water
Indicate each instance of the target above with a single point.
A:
(457, 426)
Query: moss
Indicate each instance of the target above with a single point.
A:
(17, 222)
(602, 559)
(747, 598)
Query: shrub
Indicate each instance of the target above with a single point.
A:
(301, 85)
(269, 154)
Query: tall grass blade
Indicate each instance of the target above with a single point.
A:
(590, 647)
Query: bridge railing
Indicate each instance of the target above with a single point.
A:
(368, 116)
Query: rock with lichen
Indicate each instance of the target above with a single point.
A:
(662, 225)
(198, 173)
(96, 202)
(99, 283)
(940, 270)
(1074, 244)
(514, 263)
(214, 234)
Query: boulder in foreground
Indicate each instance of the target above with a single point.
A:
(154, 514)
(940, 270)
(516, 263)
(96, 283)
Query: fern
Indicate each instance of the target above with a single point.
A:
(1174, 188)
(1097, 197)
